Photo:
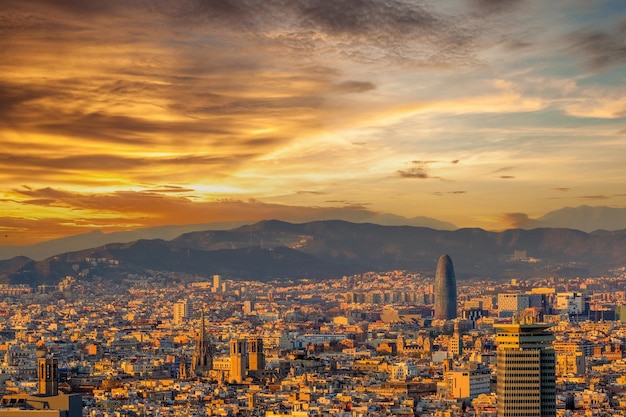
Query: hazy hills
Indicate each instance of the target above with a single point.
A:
(43, 250)
(39, 251)
(583, 218)
(275, 249)
(586, 218)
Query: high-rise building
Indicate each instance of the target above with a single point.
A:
(217, 283)
(445, 289)
(181, 312)
(248, 307)
(525, 370)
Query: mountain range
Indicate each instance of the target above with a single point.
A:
(43, 250)
(274, 249)
(585, 218)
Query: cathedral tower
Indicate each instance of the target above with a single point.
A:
(202, 361)
(48, 376)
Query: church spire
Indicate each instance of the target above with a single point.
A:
(202, 361)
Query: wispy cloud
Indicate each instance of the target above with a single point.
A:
(163, 107)
(503, 169)
(595, 197)
(416, 170)
(600, 48)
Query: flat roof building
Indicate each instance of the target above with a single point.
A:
(526, 384)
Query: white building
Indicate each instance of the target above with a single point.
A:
(401, 371)
(510, 304)
(467, 383)
(181, 312)
(569, 303)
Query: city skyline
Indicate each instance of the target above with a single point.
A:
(117, 116)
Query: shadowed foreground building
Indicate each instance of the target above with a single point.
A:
(49, 402)
(445, 289)
(526, 370)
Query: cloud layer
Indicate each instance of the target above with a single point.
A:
(117, 114)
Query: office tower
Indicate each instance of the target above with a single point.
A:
(181, 312)
(248, 307)
(526, 370)
(217, 283)
(256, 357)
(48, 376)
(238, 360)
(445, 289)
(202, 360)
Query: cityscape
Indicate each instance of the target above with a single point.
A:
(373, 344)
(312, 208)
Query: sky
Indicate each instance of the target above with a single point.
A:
(121, 114)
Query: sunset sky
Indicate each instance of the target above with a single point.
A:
(120, 114)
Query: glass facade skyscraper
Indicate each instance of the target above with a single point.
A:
(445, 289)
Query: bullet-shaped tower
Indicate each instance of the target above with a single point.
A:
(445, 289)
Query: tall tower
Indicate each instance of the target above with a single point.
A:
(256, 357)
(217, 283)
(445, 289)
(238, 360)
(526, 370)
(202, 360)
(48, 376)
(181, 311)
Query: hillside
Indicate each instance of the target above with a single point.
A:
(275, 250)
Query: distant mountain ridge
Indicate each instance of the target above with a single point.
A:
(279, 250)
(43, 250)
(39, 251)
(585, 218)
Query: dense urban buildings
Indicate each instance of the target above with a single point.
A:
(445, 289)
(365, 345)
